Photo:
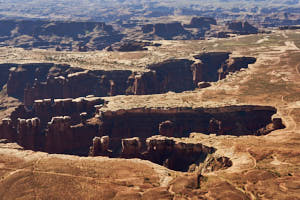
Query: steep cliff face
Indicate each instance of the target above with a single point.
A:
(59, 126)
(201, 22)
(7, 130)
(173, 75)
(82, 126)
(175, 155)
(169, 152)
(48, 81)
(4, 73)
(167, 31)
(207, 69)
(242, 28)
(143, 123)
(234, 64)
(30, 82)
(29, 133)
(62, 137)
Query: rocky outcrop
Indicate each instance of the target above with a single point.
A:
(167, 31)
(207, 67)
(4, 73)
(214, 66)
(169, 152)
(235, 64)
(167, 128)
(29, 133)
(62, 137)
(7, 130)
(201, 22)
(221, 34)
(131, 46)
(174, 154)
(170, 75)
(46, 109)
(131, 147)
(100, 147)
(203, 84)
(59, 126)
(22, 75)
(173, 75)
(242, 28)
(289, 27)
(274, 125)
(214, 163)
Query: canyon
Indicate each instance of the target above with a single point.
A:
(30, 82)
(60, 114)
(215, 118)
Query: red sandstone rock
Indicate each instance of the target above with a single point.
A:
(131, 147)
(7, 130)
(167, 128)
(29, 133)
(100, 147)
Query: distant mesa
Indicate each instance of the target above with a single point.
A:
(58, 35)
(166, 30)
(242, 28)
(201, 22)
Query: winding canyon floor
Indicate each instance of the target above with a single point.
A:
(264, 167)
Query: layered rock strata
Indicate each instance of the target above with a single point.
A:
(242, 28)
(179, 122)
(30, 82)
(59, 126)
(84, 126)
(59, 35)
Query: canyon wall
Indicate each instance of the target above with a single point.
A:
(175, 122)
(59, 126)
(69, 125)
(30, 82)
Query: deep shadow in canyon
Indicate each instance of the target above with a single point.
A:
(61, 114)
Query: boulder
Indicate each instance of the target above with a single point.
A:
(100, 147)
(203, 84)
(131, 147)
(167, 128)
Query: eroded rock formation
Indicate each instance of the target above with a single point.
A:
(59, 126)
(167, 31)
(131, 147)
(242, 28)
(100, 146)
(175, 155)
(201, 22)
(55, 34)
(30, 82)
(29, 133)
(142, 122)
(7, 130)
